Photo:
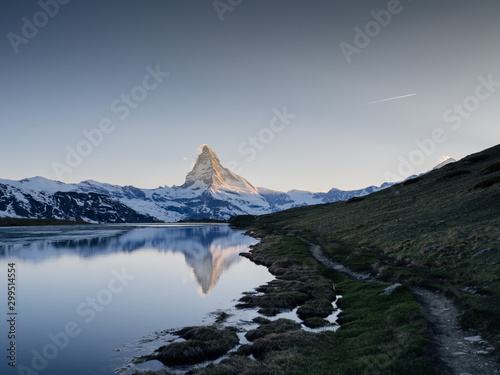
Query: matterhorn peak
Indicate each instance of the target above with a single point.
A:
(209, 171)
(207, 149)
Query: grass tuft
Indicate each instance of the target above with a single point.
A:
(487, 183)
(452, 174)
(202, 344)
(493, 168)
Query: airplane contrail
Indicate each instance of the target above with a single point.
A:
(389, 99)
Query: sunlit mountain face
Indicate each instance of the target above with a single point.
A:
(209, 191)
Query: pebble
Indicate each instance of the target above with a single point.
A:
(459, 353)
(388, 291)
(482, 352)
(480, 252)
(433, 246)
(474, 338)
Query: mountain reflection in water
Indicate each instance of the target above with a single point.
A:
(208, 249)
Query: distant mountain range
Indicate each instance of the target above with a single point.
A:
(210, 191)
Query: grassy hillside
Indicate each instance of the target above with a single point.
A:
(441, 230)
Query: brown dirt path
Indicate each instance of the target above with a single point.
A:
(457, 351)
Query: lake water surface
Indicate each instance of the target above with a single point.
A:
(89, 297)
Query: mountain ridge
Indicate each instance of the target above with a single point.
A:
(209, 191)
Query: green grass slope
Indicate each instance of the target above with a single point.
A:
(441, 231)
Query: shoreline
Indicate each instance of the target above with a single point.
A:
(302, 283)
(6, 222)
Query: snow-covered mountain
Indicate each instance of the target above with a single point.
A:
(210, 191)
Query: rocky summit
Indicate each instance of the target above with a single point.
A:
(209, 191)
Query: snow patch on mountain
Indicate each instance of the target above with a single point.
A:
(445, 160)
(210, 191)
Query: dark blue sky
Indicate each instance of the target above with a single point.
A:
(269, 87)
